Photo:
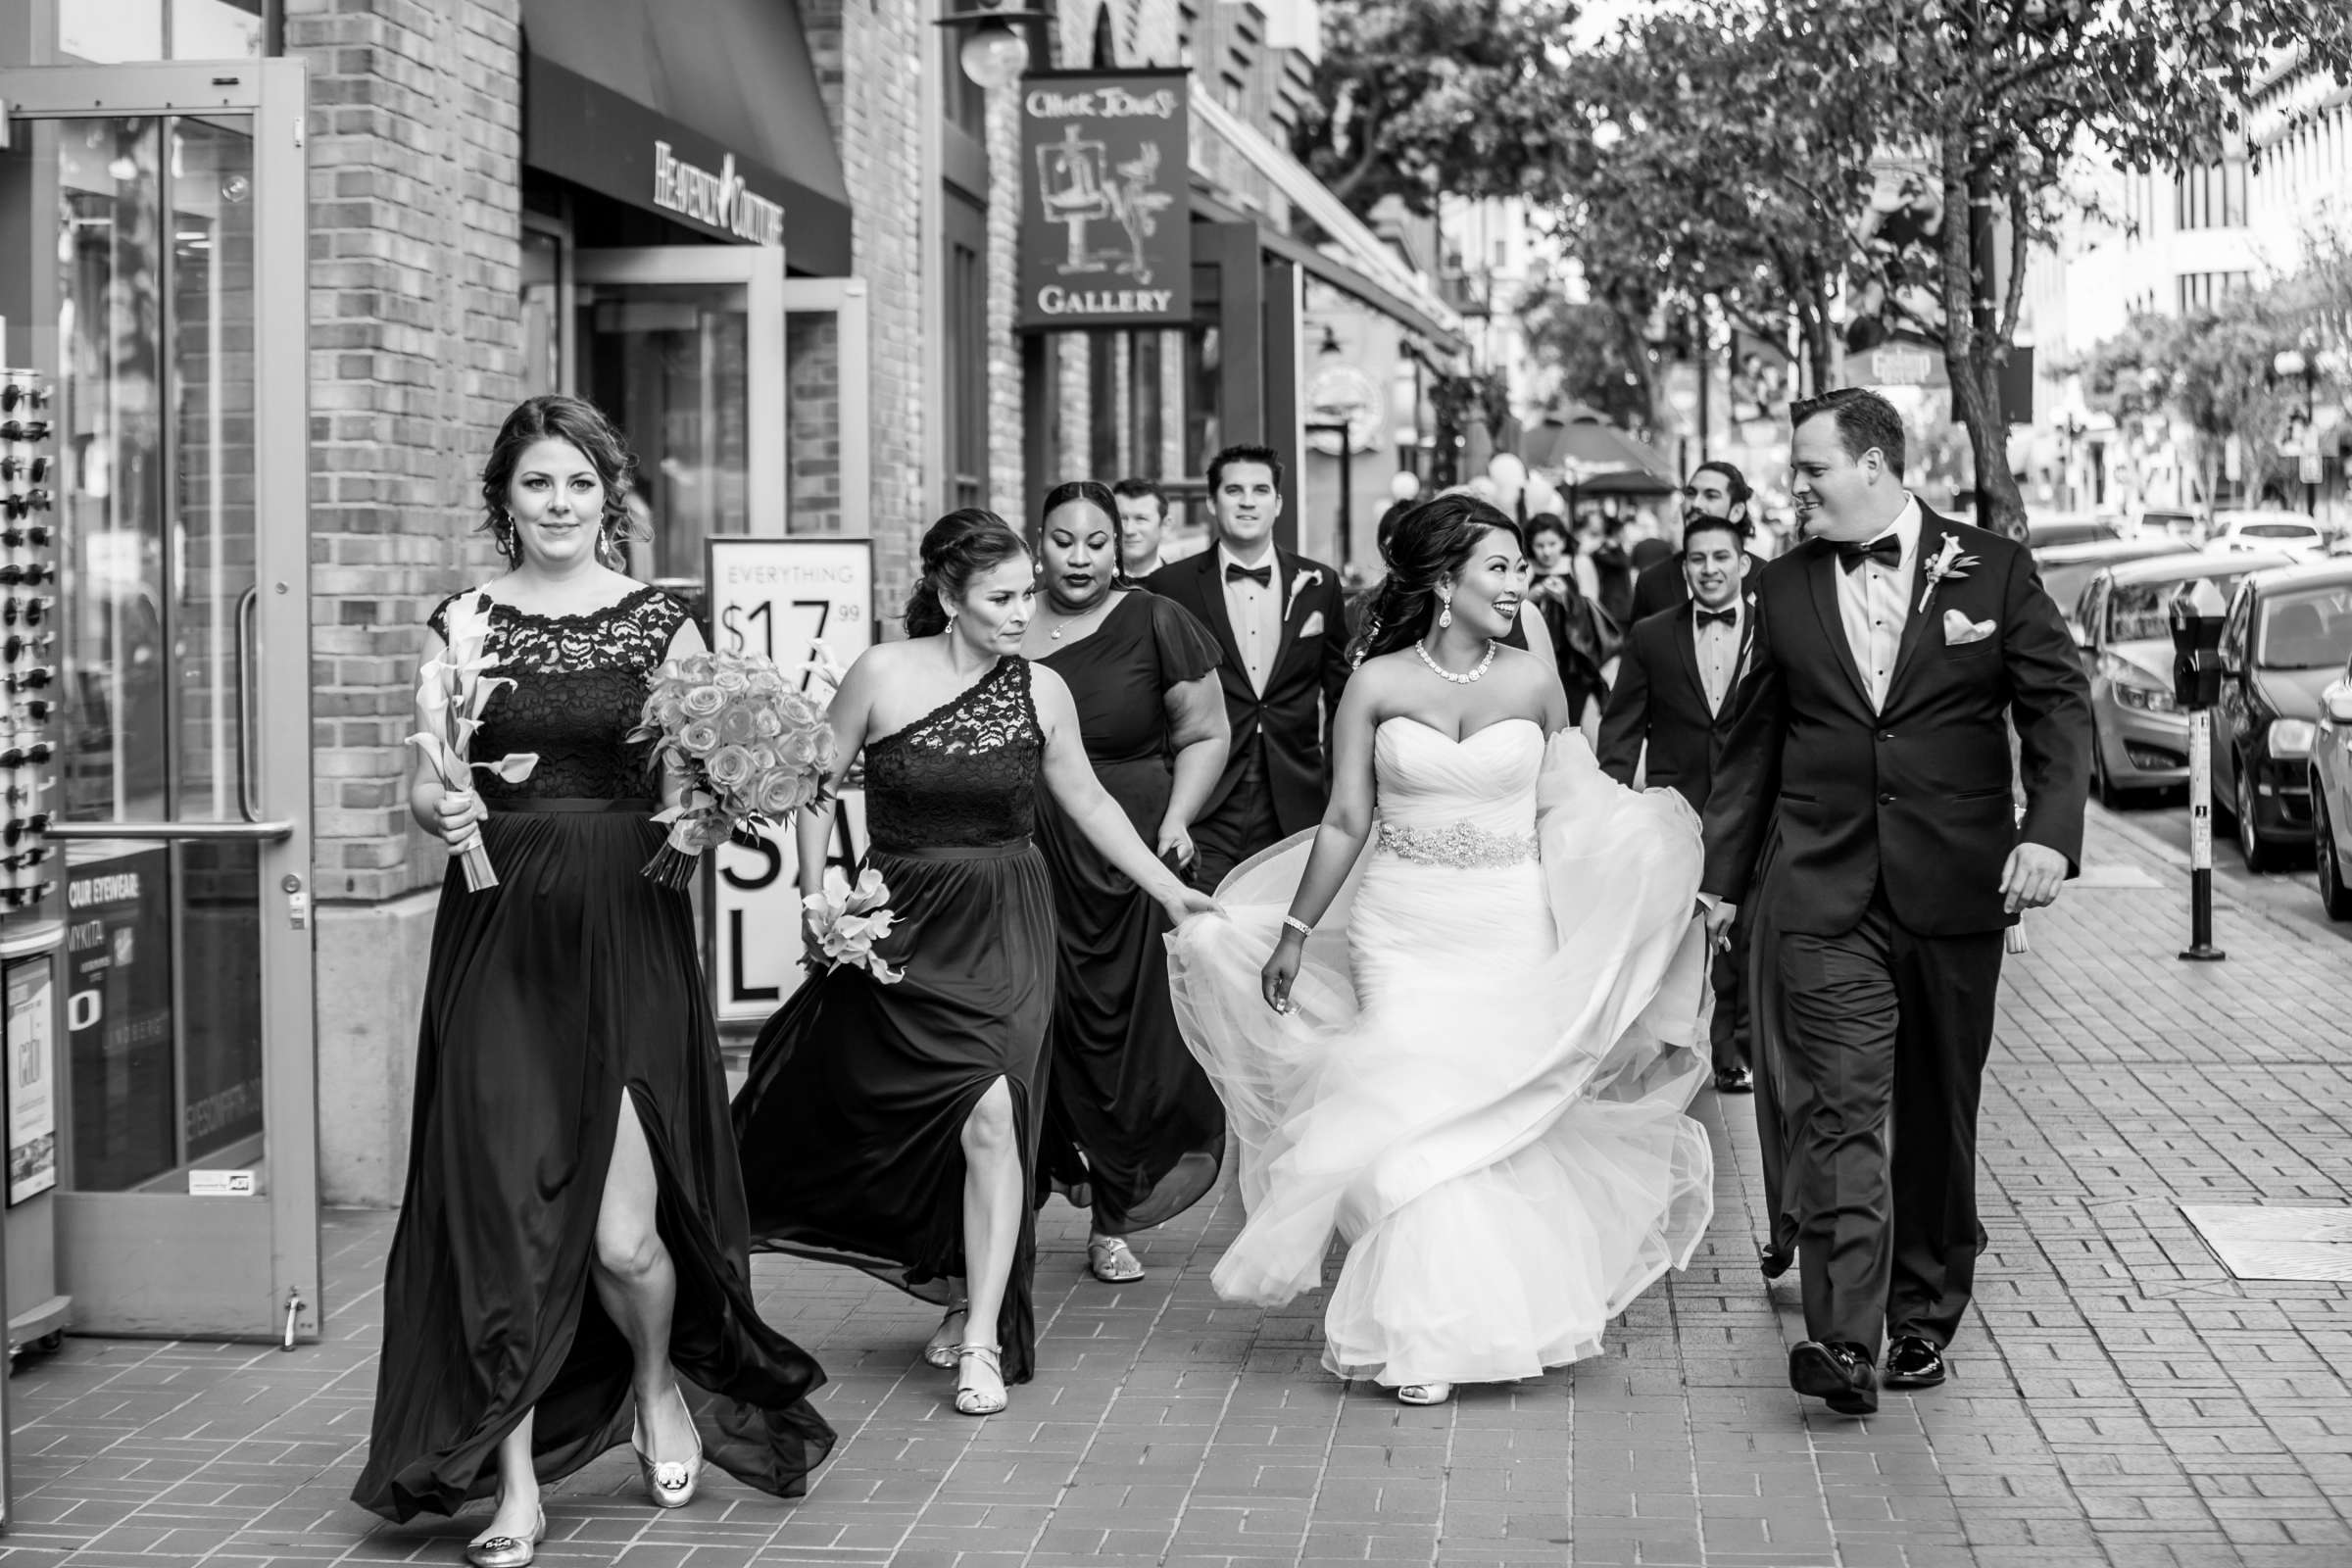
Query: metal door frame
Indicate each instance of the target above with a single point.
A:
(168, 1264)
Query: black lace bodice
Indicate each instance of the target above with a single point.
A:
(961, 775)
(579, 689)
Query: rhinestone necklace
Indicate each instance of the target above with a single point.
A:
(1443, 673)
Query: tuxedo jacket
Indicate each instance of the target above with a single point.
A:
(1661, 585)
(1914, 798)
(1661, 698)
(1302, 685)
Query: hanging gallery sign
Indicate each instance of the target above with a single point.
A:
(1105, 227)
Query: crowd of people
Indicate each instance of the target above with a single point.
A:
(1204, 865)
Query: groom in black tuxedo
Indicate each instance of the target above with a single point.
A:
(1282, 622)
(1892, 651)
(1674, 680)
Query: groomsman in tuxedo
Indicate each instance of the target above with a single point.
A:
(1891, 653)
(1281, 621)
(1673, 676)
(1143, 527)
(1717, 489)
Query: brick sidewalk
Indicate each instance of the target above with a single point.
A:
(2118, 1401)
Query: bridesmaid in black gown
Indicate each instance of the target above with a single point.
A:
(572, 1236)
(1132, 1127)
(893, 1127)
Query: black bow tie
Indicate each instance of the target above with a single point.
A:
(1886, 551)
(1719, 617)
(1263, 576)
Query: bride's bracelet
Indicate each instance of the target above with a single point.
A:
(1299, 925)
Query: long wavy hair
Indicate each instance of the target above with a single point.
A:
(582, 423)
(958, 548)
(1431, 543)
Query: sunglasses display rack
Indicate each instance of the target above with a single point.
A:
(27, 636)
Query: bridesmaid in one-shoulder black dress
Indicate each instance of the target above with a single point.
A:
(572, 982)
(853, 1117)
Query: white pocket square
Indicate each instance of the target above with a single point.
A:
(1959, 629)
(1312, 625)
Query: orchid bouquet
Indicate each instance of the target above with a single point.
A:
(453, 688)
(751, 748)
(846, 921)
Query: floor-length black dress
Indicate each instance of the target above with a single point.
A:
(571, 982)
(1133, 1125)
(852, 1120)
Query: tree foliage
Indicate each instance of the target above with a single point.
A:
(1414, 98)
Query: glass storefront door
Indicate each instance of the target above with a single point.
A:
(165, 209)
(742, 392)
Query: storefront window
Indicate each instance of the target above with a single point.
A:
(108, 31)
(542, 312)
(813, 418)
(966, 402)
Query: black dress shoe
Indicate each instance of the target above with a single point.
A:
(1913, 1362)
(1840, 1374)
(1735, 1081)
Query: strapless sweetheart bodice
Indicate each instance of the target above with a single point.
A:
(1463, 803)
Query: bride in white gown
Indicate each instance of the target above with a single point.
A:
(1480, 1085)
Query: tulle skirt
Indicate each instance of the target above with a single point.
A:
(1482, 1090)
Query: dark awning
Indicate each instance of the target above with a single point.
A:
(726, 84)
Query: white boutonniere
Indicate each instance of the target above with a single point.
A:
(1948, 563)
(1299, 585)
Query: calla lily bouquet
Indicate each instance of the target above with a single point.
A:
(453, 688)
(846, 921)
(750, 747)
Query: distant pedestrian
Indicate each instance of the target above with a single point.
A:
(1131, 1128)
(1279, 619)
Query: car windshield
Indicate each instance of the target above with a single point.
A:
(2140, 612)
(2043, 535)
(2309, 629)
(2275, 531)
(2065, 583)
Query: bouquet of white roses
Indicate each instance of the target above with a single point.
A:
(751, 748)
(846, 921)
(453, 688)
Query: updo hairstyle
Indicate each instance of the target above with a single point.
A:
(555, 417)
(959, 547)
(1431, 542)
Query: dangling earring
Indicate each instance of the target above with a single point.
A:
(503, 531)
(605, 551)
(1446, 615)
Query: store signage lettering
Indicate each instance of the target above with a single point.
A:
(718, 200)
(1105, 221)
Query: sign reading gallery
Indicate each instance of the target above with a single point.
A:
(1105, 228)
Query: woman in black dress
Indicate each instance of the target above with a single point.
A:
(1132, 1127)
(894, 1126)
(572, 1236)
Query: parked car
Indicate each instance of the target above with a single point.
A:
(2178, 522)
(2332, 795)
(2065, 570)
(2046, 528)
(2139, 735)
(2287, 633)
(2267, 530)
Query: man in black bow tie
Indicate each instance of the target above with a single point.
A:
(1677, 667)
(1891, 653)
(1281, 621)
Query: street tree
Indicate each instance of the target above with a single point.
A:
(1997, 97)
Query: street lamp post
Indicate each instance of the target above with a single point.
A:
(995, 52)
(2293, 364)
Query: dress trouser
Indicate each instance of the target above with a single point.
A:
(1238, 825)
(1886, 1037)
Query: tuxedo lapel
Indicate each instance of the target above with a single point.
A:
(1821, 578)
(1286, 572)
(1686, 644)
(1213, 610)
(1932, 534)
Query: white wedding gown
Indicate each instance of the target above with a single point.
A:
(1482, 1089)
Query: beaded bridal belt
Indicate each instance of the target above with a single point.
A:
(1460, 845)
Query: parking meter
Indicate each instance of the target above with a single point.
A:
(2197, 612)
